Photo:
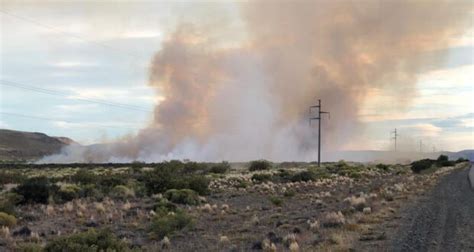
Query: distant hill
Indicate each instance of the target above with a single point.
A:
(19, 145)
(394, 157)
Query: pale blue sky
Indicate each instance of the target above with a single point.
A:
(102, 51)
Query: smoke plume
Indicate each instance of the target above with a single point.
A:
(251, 101)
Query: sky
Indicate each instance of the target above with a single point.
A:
(81, 70)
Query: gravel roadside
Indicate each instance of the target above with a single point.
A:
(444, 221)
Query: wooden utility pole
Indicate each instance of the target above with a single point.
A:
(395, 136)
(319, 118)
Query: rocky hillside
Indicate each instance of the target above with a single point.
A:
(19, 145)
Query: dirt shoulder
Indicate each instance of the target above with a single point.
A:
(440, 219)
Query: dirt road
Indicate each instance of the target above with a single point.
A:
(444, 221)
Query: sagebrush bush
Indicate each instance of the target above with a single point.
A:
(164, 224)
(11, 177)
(276, 200)
(8, 202)
(91, 240)
(7, 220)
(303, 176)
(420, 165)
(36, 190)
(220, 168)
(171, 175)
(182, 196)
(261, 177)
(67, 192)
(383, 167)
(260, 165)
(122, 192)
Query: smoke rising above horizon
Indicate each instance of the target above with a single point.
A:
(251, 100)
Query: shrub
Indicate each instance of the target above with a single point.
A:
(444, 161)
(164, 224)
(182, 196)
(289, 193)
(461, 159)
(122, 192)
(200, 184)
(91, 191)
(220, 168)
(29, 247)
(68, 192)
(36, 190)
(8, 202)
(7, 220)
(333, 219)
(11, 177)
(442, 158)
(85, 177)
(276, 200)
(164, 205)
(383, 167)
(91, 240)
(261, 177)
(260, 165)
(421, 165)
(165, 177)
(303, 176)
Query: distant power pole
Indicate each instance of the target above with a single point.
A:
(319, 118)
(395, 136)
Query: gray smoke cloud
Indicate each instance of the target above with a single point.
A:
(251, 101)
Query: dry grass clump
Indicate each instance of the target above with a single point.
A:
(333, 219)
(313, 225)
(268, 246)
(359, 203)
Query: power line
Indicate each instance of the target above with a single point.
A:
(63, 94)
(61, 120)
(32, 21)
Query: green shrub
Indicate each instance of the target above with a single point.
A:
(36, 190)
(164, 205)
(461, 159)
(289, 193)
(91, 191)
(276, 200)
(182, 196)
(164, 224)
(11, 177)
(421, 165)
(85, 177)
(220, 168)
(261, 177)
(197, 183)
(68, 192)
(29, 247)
(170, 176)
(8, 202)
(303, 176)
(238, 182)
(91, 240)
(383, 167)
(7, 220)
(443, 160)
(122, 192)
(260, 165)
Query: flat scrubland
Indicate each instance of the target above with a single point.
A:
(188, 206)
